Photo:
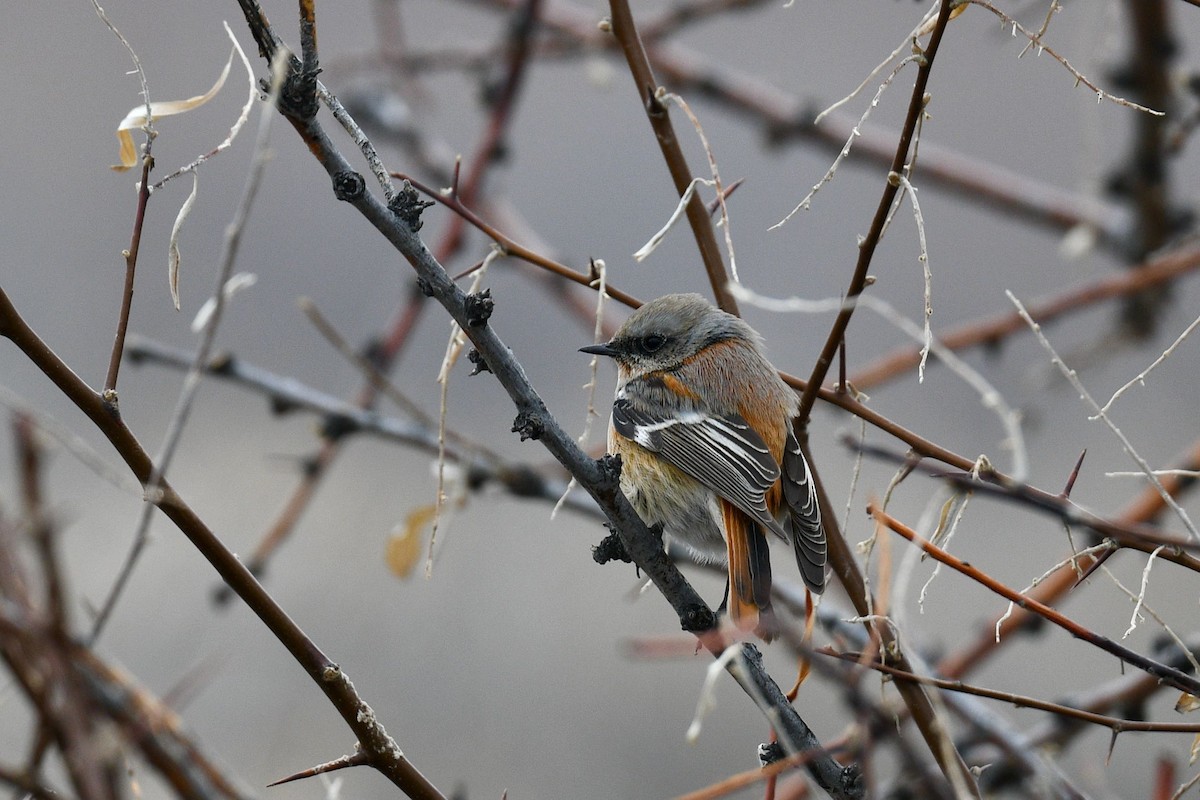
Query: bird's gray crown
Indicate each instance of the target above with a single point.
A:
(664, 332)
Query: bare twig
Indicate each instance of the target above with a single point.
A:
(183, 406)
(1086, 396)
(995, 329)
(1165, 673)
(324, 672)
(1115, 724)
(625, 31)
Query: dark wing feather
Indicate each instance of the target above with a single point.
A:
(808, 535)
(721, 452)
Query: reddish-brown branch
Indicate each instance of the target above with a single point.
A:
(1116, 724)
(625, 31)
(1166, 674)
(1144, 509)
(455, 203)
(131, 257)
(990, 331)
(325, 673)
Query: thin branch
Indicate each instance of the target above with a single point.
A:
(454, 202)
(1086, 396)
(993, 330)
(139, 216)
(624, 29)
(1145, 538)
(1036, 40)
(1115, 724)
(324, 672)
(866, 250)
(183, 406)
(342, 418)
(1167, 674)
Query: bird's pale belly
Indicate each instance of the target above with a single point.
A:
(687, 511)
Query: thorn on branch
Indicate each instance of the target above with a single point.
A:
(528, 426)
(479, 308)
(1066, 493)
(348, 186)
(408, 205)
(356, 760)
(479, 362)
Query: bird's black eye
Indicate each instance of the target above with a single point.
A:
(652, 343)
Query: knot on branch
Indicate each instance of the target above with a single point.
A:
(479, 308)
(851, 781)
(610, 472)
(770, 752)
(298, 96)
(425, 287)
(348, 185)
(336, 426)
(479, 361)
(408, 205)
(528, 426)
(611, 548)
(697, 618)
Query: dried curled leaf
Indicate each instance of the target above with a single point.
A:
(136, 118)
(243, 280)
(1187, 702)
(173, 247)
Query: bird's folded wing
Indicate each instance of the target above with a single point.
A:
(808, 534)
(721, 452)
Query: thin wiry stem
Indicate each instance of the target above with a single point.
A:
(191, 383)
(1086, 396)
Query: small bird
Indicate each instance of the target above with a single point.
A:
(702, 423)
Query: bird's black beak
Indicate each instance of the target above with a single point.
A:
(599, 350)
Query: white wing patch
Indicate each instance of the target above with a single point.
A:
(722, 453)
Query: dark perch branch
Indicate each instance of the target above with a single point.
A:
(398, 222)
(388, 347)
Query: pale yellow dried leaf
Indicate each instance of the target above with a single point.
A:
(1187, 702)
(1195, 754)
(404, 547)
(136, 118)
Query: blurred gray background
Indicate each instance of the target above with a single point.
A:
(508, 668)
